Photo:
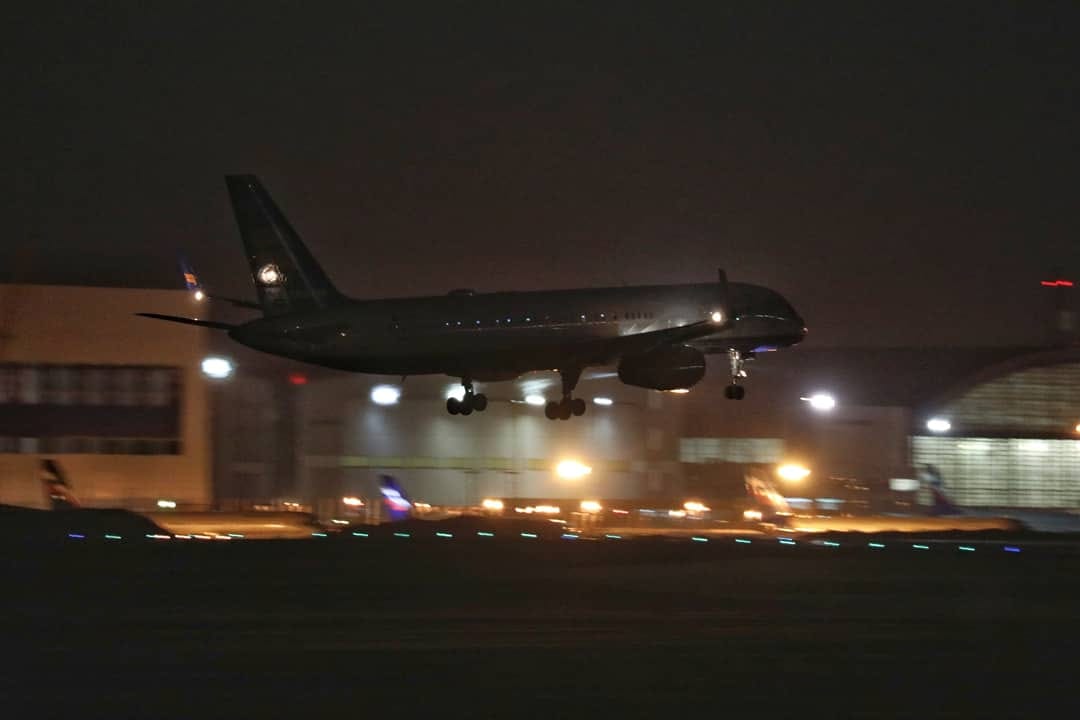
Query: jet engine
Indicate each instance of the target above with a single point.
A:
(667, 368)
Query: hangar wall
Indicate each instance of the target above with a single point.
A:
(118, 399)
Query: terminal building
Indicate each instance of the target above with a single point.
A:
(122, 403)
(118, 399)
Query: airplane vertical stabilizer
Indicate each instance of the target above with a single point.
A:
(287, 278)
(58, 492)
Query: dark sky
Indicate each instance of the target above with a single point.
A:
(904, 174)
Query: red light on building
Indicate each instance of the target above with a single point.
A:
(297, 378)
(1056, 283)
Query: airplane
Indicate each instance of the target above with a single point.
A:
(1032, 518)
(656, 335)
(67, 518)
(60, 497)
(771, 508)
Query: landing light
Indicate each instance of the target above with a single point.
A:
(679, 391)
(717, 317)
(385, 395)
(938, 425)
(535, 400)
(217, 368)
(199, 296)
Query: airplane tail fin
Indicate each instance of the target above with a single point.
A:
(941, 505)
(767, 499)
(398, 506)
(287, 278)
(58, 492)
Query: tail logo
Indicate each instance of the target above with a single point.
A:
(270, 275)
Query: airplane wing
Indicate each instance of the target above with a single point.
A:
(188, 321)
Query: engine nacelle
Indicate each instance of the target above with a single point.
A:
(668, 368)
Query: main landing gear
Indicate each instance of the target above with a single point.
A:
(735, 391)
(568, 406)
(469, 402)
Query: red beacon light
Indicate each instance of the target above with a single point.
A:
(298, 378)
(1056, 283)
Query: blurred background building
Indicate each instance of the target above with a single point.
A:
(118, 398)
(122, 401)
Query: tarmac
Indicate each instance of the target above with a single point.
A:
(523, 627)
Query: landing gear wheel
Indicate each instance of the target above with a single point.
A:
(551, 410)
(577, 407)
(466, 408)
(565, 409)
(479, 402)
(453, 406)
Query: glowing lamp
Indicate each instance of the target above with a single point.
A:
(537, 400)
(591, 506)
(572, 470)
(217, 368)
(385, 395)
(792, 472)
(938, 425)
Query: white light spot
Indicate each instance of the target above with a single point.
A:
(535, 400)
(938, 425)
(717, 317)
(385, 394)
(603, 401)
(455, 391)
(823, 402)
(217, 368)
(271, 275)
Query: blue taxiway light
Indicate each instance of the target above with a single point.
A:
(699, 539)
(1011, 548)
(876, 545)
(569, 536)
(481, 533)
(76, 536)
(742, 542)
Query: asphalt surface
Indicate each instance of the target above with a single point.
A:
(535, 628)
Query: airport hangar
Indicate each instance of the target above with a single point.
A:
(123, 403)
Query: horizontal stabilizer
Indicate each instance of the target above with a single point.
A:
(188, 321)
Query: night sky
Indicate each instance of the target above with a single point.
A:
(903, 174)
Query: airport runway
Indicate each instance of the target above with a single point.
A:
(641, 628)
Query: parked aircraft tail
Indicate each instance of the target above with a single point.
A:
(287, 278)
(58, 492)
(398, 506)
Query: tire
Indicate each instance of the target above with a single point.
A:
(577, 406)
(564, 410)
(479, 402)
(551, 410)
(453, 406)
